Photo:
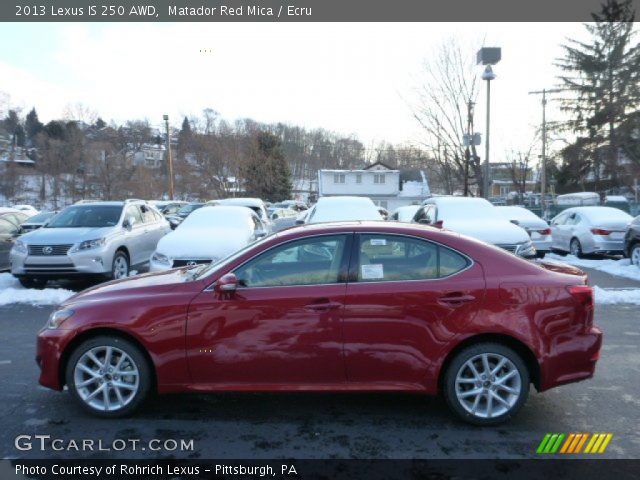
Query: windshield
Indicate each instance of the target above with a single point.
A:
(87, 216)
(40, 217)
(189, 208)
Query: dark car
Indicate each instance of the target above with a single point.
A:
(37, 221)
(182, 213)
(357, 306)
(632, 241)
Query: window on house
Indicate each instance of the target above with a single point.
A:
(338, 178)
(378, 178)
(358, 178)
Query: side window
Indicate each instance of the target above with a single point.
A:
(386, 258)
(311, 261)
(559, 220)
(147, 215)
(133, 211)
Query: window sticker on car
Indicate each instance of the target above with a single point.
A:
(377, 241)
(373, 271)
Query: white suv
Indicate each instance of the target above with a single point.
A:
(95, 239)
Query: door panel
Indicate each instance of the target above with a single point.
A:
(394, 330)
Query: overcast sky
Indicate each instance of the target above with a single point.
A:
(352, 78)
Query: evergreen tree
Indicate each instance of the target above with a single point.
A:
(266, 172)
(32, 125)
(100, 123)
(603, 77)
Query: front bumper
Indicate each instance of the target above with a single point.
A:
(89, 262)
(575, 362)
(50, 347)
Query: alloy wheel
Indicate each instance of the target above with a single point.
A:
(106, 378)
(120, 267)
(635, 255)
(488, 385)
(575, 248)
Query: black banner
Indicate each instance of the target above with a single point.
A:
(578, 468)
(299, 10)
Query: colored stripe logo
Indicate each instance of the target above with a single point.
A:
(574, 443)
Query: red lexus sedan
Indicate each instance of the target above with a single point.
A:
(358, 306)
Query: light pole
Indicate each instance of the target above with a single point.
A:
(488, 56)
(487, 75)
(543, 160)
(169, 158)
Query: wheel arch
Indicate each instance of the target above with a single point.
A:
(103, 331)
(527, 355)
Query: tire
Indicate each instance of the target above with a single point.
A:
(477, 409)
(31, 282)
(120, 266)
(575, 248)
(109, 405)
(635, 255)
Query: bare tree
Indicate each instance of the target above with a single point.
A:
(449, 88)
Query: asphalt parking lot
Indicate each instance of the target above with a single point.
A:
(323, 425)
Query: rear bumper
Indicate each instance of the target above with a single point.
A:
(575, 361)
(603, 245)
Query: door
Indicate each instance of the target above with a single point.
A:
(8, 233)
(559, 237)
(153, 231)
(135, 235)
(283, 324)
(405, 299)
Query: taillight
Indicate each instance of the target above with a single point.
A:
(546, 231)
(600, 231)
(583, 295)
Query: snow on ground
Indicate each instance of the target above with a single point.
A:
(616, 296)
(619, 268)
(12, 292)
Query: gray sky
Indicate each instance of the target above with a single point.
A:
(352, 78)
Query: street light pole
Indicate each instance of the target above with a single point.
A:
(169, 158)
(487, 75)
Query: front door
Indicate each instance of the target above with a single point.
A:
(283, 324)
(406, 298)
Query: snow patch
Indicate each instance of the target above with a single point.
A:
(616, 296)
(619, 268)
(12, 292)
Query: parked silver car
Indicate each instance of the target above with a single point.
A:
(585, 230)
(536, 227)
(96, 239)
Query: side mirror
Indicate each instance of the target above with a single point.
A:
(227, 283)
(515, 222)
(438, 224)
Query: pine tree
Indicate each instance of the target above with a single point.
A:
(604, 77)
(266, 172)
(32, 125)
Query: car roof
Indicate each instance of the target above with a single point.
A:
(380, 226)
(241, 201)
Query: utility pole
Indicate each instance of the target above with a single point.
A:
(543, 161)
(169, 158)
(467, 152)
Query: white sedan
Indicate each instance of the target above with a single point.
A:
(342, 208)
(536, 227)
(207, 235)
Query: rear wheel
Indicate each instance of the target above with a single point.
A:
(635, 255)
(32, 282)
(576, 248)
(486, 384)
(108, 376)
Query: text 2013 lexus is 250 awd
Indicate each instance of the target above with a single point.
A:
(352, 306)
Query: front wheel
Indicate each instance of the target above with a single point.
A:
(486, 384)
(635, 255)
(120, 266)
(108, 376)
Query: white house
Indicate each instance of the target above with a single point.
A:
(378, 181)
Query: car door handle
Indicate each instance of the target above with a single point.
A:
(322, 306)
(455, 299)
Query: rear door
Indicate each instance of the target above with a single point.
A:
(406, 297)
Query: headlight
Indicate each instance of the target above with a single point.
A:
(160, 258)
(19, 247)
(89, 244)
(57, 317)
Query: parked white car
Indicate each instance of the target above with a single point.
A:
(590, 230)
(92, 239)
(404, 214)
(336, 209)
(537, 228)
(27, 209)
(255, 204)
(207, 235)
(477, 218)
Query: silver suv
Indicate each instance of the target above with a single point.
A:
(94, 239)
